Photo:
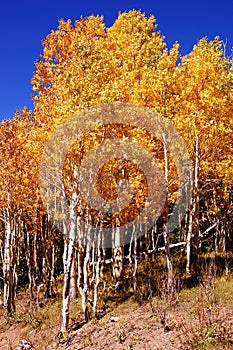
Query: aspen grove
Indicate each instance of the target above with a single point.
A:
(85, 65)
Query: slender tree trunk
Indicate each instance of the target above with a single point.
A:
(135, 266)
(170, 280)
(117, 256)
(8, 264)
(28, 255)
(84, 290)
(73, 277)
(193, 228)
(83, 280)
(70, 234)
(102, 276)
(135, 256)
(97, 279)
(67, 262)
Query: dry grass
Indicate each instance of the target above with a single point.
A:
(194, 318)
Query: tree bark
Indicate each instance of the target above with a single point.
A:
(9, 268)
(193, 228)
(67, 262)
(170, 280)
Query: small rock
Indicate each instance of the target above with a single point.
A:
(25, 345)
(114, 319)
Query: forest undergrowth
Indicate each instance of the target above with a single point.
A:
(199, 315)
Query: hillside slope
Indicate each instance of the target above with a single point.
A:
(197, 318)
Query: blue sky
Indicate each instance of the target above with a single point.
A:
(23, 24)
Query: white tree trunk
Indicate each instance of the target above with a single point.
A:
(8, 264)
(170, 280)
(193, 228)
(67, 262)
(70, 234)
(117, 256)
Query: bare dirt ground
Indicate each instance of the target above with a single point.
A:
(137, 329)
(197, 320)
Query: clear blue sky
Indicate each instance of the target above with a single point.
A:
(24, 23)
